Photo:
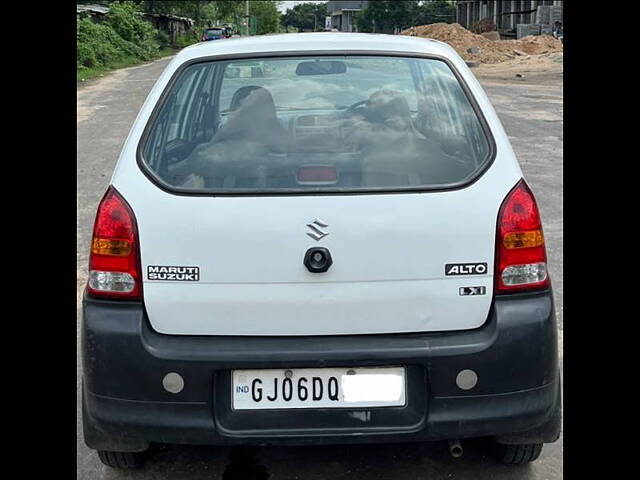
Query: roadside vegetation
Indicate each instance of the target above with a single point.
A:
(124, 38)
(305, 17)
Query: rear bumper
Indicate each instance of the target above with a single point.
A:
(514, 354)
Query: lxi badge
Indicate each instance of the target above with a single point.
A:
(464, 291)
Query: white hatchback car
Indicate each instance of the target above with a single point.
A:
(318, 238)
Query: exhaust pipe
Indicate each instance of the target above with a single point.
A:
(455, 449)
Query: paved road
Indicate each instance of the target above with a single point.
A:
(531, 111)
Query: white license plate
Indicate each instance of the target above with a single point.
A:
(318, 388)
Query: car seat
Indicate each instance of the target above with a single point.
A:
(238, 155)
(395, 153)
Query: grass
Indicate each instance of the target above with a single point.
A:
(85, 74)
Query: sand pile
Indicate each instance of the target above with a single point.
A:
(480, 49)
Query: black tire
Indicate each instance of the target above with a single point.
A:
(121, 460)
(519, 454)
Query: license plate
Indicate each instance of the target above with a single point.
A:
(318, 388)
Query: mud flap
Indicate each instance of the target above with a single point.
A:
(548, 432)
(97, 439)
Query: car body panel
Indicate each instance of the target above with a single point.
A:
(389, 249)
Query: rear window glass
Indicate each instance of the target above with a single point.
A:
(315, 124)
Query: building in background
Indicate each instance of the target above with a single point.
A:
(97, 12)
(172, 25)
(343, 14)
(506, 14)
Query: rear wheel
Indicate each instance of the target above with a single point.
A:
(121, 460)
(519, 454)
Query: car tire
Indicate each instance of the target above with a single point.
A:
(121, 460)
(519, 454)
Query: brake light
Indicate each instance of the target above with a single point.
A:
(315, 174)
(114, 265)
(521, 257)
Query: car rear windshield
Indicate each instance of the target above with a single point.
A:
(213, 33)
(315, 124)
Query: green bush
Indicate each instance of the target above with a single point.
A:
(125, 19)
(98, 45)
(123, 36)
(187, 39)
(86, 56)
(163, 39)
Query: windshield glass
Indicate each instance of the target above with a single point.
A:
(213, 33)
(319, 124)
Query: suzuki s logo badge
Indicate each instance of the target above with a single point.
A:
(316, 229)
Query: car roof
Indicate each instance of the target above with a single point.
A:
(319, 41)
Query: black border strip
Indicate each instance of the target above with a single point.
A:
(310, 53)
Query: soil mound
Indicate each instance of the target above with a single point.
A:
(480, 49)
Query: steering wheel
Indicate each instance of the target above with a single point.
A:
(352, 107)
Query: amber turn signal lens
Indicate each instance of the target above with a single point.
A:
(532, 238)
(115, 248)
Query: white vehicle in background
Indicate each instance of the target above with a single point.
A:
(338, 247)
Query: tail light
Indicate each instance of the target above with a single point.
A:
(114, 263)
(521, 257)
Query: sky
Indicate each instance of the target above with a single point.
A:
(286, 5)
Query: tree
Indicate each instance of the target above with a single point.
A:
(205, 13)
(435, 11)
(266, 14)
(387, 16)
(158, 6)
(230, 10)
(306, 16)
(392, 16)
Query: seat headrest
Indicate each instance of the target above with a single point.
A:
(254, 98)
(252, 118)
(389, 105)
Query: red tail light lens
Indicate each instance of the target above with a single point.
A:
(521, 257)
(114, 266)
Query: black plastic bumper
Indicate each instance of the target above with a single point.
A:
(517, 398)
